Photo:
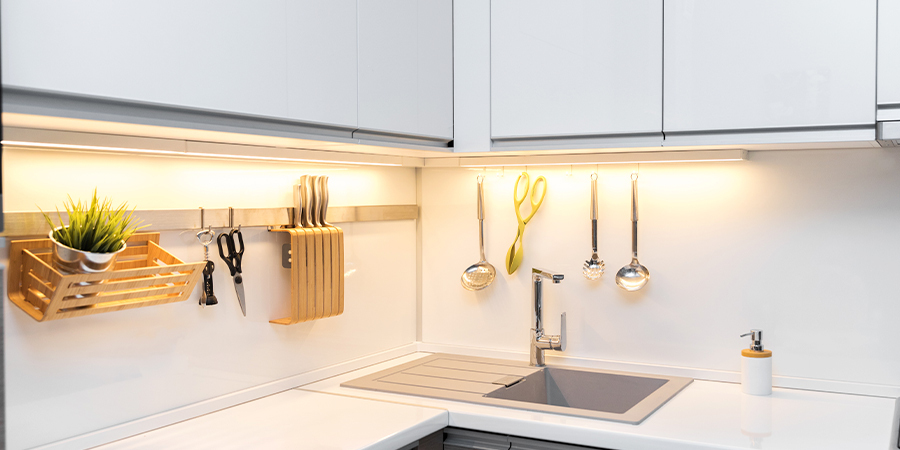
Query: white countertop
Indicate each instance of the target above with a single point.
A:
(705, 415)
(297, 419)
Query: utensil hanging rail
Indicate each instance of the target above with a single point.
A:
(33, 223)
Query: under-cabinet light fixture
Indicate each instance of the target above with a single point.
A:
(97, 148)
(606, 158)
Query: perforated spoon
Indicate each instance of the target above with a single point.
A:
(481, 274)
(593, 268)
(634, 276)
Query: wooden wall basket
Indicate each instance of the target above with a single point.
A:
(317, 273)
(144, 275)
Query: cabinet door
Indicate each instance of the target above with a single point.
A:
(459, 439)
(517, 443)
(769, 71)
(576, 68)
(321, 61)
(209, 54)
(406, 67)
(888, 59)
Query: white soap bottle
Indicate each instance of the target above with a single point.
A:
(756, 366)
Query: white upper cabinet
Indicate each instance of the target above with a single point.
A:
(579, 72)
(321, 61)
(769, 71)
(406, 68)
(217, 55)
(888, 59)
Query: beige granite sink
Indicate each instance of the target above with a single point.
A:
(600, 394)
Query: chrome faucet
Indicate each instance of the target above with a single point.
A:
(539, 340)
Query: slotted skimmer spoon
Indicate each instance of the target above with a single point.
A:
(634, 276)
(593, 268)
(481, 274)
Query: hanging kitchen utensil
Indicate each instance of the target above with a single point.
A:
(594, 267)
(481, 274)
(634, 276)
(516, 253)
(233, 260)
(207, 297)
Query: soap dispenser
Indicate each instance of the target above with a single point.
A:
(756, 366)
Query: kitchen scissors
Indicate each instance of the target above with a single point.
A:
(514, 255)
(233, 260)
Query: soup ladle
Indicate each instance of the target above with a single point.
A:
(634, 276)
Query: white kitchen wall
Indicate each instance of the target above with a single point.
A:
(802, 244)
(69, 377)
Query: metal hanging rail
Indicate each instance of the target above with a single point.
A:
(33, 223)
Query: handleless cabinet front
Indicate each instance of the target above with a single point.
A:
(321, 61)
(769, 71)
(406, 68)
(888, 60)
(574, 70)
(225, 56)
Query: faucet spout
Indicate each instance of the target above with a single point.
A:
(540, 341)
(555, 277)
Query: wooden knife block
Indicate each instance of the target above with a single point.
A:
(317, 273)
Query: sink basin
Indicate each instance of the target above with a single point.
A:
(600, 394)
(595, 391)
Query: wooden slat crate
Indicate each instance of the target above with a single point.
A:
(144, 275)
(317, 273)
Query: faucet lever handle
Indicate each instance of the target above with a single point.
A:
(562, 332)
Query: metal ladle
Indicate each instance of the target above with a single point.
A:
(481, 274)
(593, 268)
(634, 276)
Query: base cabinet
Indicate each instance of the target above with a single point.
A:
(460, 439)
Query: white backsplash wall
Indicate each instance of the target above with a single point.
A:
(801, 244)
(72, 376)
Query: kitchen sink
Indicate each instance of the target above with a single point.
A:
(600, 394)
(595, 391)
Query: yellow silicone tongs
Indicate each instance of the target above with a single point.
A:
(516, 253)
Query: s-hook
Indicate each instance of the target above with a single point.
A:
(207, 297)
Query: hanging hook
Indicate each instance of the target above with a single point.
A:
(230, 217)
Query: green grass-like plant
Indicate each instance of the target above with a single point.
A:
(95, 227)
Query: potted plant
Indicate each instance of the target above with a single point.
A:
(94, 237)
